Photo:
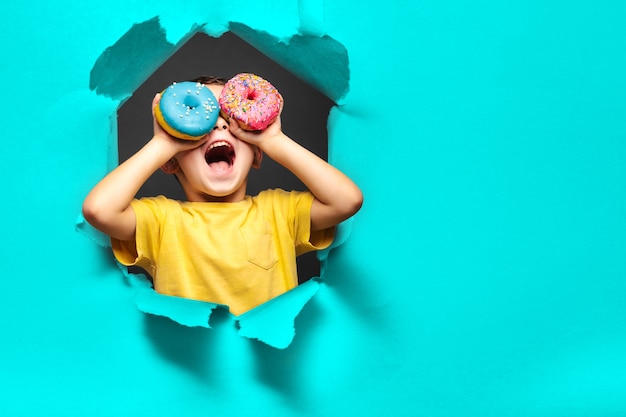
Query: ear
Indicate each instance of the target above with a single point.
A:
(171, 166)
(258, 157)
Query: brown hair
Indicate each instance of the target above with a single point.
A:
(209, 79)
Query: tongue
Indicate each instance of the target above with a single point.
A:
(219, 165)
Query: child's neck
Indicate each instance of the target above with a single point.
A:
(236, 197)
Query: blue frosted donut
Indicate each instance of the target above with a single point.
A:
(187, 110)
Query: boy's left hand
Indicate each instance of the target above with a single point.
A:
(258, 137)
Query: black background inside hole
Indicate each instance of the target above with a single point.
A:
(304, 117)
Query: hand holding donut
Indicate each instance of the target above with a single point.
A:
(187, 110)
(160, 132)
(259, 138)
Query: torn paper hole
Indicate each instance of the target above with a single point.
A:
(114, 75)
(272, 322)
(320, 60)
(187, 312)
(306, 117)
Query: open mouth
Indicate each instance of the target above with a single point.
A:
(220, 155)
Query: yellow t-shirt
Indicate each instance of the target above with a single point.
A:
(236, 254)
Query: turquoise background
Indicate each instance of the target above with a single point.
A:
(484, 276)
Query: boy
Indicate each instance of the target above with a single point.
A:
(221, 245)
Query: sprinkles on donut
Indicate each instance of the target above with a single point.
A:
(251, 100)
(187, 110)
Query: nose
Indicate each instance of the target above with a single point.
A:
(221, 124)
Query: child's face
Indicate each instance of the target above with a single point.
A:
(217, 170)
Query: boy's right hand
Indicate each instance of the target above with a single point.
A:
(174, 144)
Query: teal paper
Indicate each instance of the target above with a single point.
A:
(484, 276)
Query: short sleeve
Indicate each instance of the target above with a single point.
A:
(305, 240)
(149, 215)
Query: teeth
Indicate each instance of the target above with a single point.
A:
(219, 143)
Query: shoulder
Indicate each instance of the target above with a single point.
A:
(159, 200)
(156, 205)
(281, 196)
(287, 204)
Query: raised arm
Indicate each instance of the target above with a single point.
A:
(107, 206)
(337, 197)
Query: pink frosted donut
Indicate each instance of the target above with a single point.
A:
(251, 100)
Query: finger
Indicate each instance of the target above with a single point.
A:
(155, 101)
(234, 127)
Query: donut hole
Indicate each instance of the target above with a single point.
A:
(191, 102)
(252, 95)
